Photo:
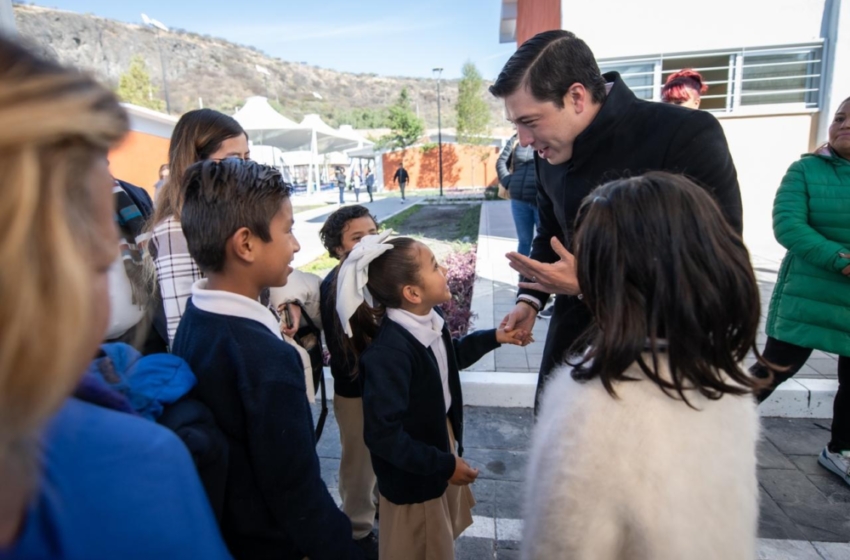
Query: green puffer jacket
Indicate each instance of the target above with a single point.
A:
(810, 306)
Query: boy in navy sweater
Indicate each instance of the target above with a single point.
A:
(237, 218)
(341, 231)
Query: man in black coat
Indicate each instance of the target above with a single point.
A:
(401, 177)
(588, 128)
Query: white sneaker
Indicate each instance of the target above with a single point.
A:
(839, 463)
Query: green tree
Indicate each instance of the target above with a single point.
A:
(135, 86)
(473, 114)
(405, 127)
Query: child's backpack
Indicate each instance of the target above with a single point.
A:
(309, 337)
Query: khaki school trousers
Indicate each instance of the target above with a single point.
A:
(357, 483)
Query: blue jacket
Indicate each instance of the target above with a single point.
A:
(148, 383)
(113, 486)
(404, 410)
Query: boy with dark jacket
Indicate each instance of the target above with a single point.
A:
(341, 232)
(237, 219)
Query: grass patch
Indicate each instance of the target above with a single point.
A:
(397, 221)
(320, 266)
(469, 224)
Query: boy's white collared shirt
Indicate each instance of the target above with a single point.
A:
(234, 305)
(428, 330)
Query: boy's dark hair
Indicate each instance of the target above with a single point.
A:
(335, 224)
(657, 260)
(388, 274)
(221, 197)
(548, 64)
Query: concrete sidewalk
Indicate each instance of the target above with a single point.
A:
(507, 376)
(805, 510)
(309, 222)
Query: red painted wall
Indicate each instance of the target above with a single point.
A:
(534, 16)
(137, 159)
(463, 166)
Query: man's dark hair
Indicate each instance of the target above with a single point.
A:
(220, 197)
(548, 64)
(663, 272)
(334, 226)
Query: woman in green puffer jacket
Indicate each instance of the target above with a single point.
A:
(810, 307)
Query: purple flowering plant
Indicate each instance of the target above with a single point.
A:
(461, 277)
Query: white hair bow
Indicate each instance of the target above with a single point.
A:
(351, 290)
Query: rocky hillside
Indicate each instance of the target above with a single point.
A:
(223, 74)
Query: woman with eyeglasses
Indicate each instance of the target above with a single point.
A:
(199, 135)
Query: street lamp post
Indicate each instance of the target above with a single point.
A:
(159, 26)
(439, 72)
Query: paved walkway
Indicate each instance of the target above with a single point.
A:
(805, 510)
(309, 222)
(495, 294)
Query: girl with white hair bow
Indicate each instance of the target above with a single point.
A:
(387, 297)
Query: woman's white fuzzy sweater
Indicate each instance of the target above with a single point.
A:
(641, 476)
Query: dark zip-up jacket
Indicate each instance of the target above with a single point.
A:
(404, 409)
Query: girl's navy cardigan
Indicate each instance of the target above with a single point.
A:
(404, 410)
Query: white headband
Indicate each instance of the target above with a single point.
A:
(351, 290)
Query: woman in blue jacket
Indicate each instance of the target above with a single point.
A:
(79, 481)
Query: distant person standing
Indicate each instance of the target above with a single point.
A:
(515, 168)
(370, 182)
(340, 183)
(684, 88)
(355, 183)
(164, 172)
(401, 177)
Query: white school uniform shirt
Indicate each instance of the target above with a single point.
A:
(234, 305)
(428, 330)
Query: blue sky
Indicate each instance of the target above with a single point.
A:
(392, 38)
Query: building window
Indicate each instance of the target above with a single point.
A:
(639, 76)
(775, 79)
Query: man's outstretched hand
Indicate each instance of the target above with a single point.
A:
(555, 278)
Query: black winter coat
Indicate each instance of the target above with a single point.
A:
(522, 181)
(628, 136)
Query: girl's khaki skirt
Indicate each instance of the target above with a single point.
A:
(425, 531)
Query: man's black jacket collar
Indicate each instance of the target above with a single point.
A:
(616, 106)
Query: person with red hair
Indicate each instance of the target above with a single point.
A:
(684, 88)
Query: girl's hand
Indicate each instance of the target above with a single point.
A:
(294, 312)
(464, 474)
(519, 337)
(846, 271)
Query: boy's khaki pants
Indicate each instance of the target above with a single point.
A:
(357, 483)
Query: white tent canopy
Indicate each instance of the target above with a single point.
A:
(267, 127)
(313, 130)
(262, 122)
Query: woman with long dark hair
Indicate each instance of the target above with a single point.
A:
(199, 135)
